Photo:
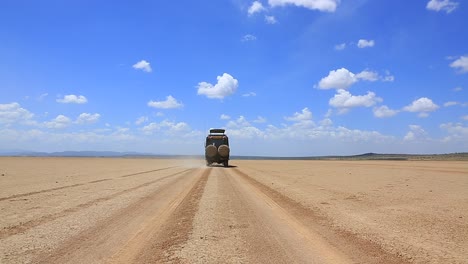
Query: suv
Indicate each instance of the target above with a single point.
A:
(217, 148)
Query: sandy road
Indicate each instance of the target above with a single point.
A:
(173, 211)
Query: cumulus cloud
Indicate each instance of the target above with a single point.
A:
(422, 106)
(167, 127)
(270, 20)
(239, 122)
(248, 37)
(260, 119)
(169, 103)
(338, 79)
(143, 65)
(59, 122)
(241, 128)
(249, 94)
(256, 7)
(320, 5)
(442, 5)
(456, 132)
(305, 114)
(341, 46)
(86, 118)
(141, 120)
(384, 111)
(416, 132)
(73, 99)
(345, 100)
(224, 117)
(364, 43)
(451, 103)
(14, 113)
(225, 86)
(343, 78)
(368, 76)
(461, 64)
(42, 96)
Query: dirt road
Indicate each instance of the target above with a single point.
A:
(97, 210)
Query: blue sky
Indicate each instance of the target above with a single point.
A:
(283, 77)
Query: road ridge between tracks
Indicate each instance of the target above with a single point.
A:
(24, 226)
(80, 184)
(311, 218)
(177, 228)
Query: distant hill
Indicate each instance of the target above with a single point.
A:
(365, 156)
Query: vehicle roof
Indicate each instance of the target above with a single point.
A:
(217, 131)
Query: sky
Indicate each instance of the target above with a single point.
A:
(283, 77)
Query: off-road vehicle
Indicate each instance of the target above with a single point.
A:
(217, 148)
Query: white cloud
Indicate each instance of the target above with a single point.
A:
(384, 111)
(167, 127)
(422, 106)
(86, 118)
(59, 122)
(321, 5)
(141, 120)
(270, 20)
(461, 64)
(248, 37)
(343, 78)
(450, 103)
(338, 79)
(456, 131)
(225, 86)
(260, 119)
(224, 117)
(14, 113)
(305, 114)
(344, 100)
(368, 76)
(388, 77)
(416, 133)
(42, 96)
(73, 99)
(256, 7)
(465, 117)
(364, 43)
(169, 103)
(442, 5)
(143, 65)
(239, 122)
(457, 89)
(341, 46)
(249, 94)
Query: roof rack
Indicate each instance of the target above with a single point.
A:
(217, 131)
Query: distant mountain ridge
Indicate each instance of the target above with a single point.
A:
(116, 154)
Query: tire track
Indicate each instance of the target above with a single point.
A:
(98, 243)
(176, 229)
(24, 226)
(307, 218)
(79, 184)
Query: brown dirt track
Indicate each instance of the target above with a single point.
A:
(103, 210)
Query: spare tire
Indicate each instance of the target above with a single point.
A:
(211, 151)
(223, 151)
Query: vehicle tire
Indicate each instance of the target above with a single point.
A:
(211, 151)
(226, 164)
(223, 151)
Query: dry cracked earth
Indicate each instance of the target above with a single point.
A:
(106, 210)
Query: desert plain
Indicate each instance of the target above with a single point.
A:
(124, 210)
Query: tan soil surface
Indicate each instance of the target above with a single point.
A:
(109, 210)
